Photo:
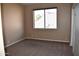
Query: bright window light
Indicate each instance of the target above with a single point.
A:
(45, 18)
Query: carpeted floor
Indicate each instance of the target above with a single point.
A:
(29, 47)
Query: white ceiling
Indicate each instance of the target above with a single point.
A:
(27, 3)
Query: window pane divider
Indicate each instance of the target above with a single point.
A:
(44, 20)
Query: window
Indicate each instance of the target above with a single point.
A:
(45, 18)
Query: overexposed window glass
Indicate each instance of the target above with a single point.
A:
(45, 18)
(51, 18)
(39, 19)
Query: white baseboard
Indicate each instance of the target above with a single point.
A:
(36, 39)
(46, 39)
(14, 42)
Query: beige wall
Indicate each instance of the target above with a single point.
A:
(13, 25)
(60, 34)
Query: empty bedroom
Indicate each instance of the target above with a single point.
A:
(37, 29)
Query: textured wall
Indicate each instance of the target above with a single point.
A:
(62, 33)
(13, 25)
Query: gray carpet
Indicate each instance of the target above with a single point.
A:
(30, 47)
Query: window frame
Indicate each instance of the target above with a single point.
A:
(44, 17)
